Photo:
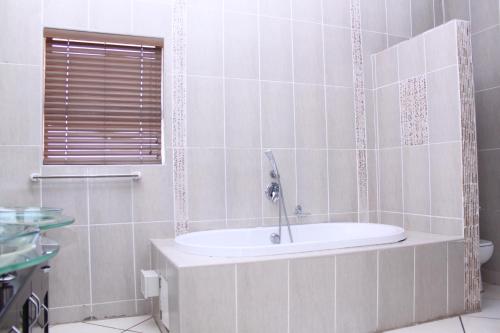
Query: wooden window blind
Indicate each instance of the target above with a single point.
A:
(102, 99)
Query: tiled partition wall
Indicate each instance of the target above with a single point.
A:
(425, 120)
(361, 291)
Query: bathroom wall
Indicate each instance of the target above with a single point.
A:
(290, 75)
(96, 271)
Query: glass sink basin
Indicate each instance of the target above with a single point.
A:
(24, 254)
(17, 242)
(11, 231)
(42, 217)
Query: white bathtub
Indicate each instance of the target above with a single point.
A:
(308, 237)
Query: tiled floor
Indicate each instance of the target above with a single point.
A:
(140, 324)
(486, 321)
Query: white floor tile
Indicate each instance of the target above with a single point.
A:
(149, 326)
(450, 325)
(491, 291)
(490, 308)
(82, 328)
(121, 323)
(481, 325)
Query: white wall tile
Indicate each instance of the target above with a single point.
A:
(57, 14)
(21, 38)
(241, 58)
(112, 16)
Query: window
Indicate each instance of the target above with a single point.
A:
(102, 99)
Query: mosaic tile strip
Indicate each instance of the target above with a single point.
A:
(179, 116)
(414, 113)
(359, 109)
(470, 168)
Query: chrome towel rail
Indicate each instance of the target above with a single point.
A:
(134, 175)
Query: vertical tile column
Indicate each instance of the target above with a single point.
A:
(470, 169)
(359, 110)
(179, 116)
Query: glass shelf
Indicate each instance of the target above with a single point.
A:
(41, 217)
(27, 254)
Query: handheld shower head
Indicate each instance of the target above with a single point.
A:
(270, 156)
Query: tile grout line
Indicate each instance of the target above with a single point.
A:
(429, 165)
(236, 296)
(294, 105)
(259, 85)
(401, 139)
(224, 106)
(325, 109)
(134, 264)
(87, 185)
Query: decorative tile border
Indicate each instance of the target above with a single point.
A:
(359, 110)
(179, 116)
(414, 113)
(470, 168)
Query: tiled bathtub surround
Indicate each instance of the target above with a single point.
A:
(427, 133)
(351, 290)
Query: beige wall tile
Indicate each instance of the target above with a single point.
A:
(110, 200)
(204, 32)
(152, 18)
(391, 198)
(275, 48)
(310, 126)
(396, 280)
(307, 10)
(389, 118)
(312, 295)
(343, 181)
(244, 191)
(356, 294)
(206, 184)
(340, 117)
(57, 14)
(69, 194)
(21, 105)
(411, 58)
(208, 299)
(337, 12)
(430, 287)
(113, 16)
(373, 15)
(21, 26)
(399, 17)
(444, 105)
(70, 273)
(242, 113)
(312, 190)
(307, 52)
(456, 277)
(241, 57)
(416, 179)
(111, 257)
(277, 115)
(338, 56)
(205, 112)
(153, 193)
(422, 16)
(262, 297)
(444, 39)
(279, 8)
(17, 188)
(446, 180)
